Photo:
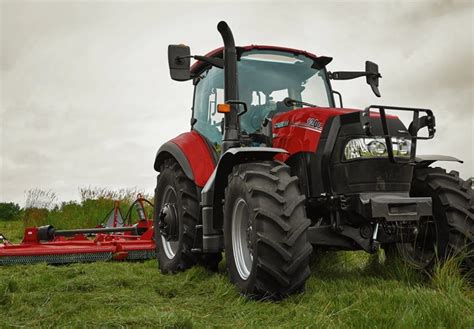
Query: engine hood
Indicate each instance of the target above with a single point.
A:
(300, 130)
(322, 114)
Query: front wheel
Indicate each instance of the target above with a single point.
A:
(265, 231)
(450, 230)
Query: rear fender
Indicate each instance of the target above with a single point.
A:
(192, 153)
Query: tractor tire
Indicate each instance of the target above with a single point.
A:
(265, 228)
(452, 225)
(175, 255)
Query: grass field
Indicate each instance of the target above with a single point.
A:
(346, 290)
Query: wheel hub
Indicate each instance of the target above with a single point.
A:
(242, 238)
(168, 223)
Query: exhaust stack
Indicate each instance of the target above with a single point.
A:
(231, 91)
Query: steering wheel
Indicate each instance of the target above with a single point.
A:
(252, 120)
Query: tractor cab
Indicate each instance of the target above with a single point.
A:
(271, 80)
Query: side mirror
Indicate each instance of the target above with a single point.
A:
(373, 76)
(179, 59)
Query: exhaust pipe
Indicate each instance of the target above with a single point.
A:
(231, 90)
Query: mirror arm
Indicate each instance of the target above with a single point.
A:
(372, 78)
(217, 62)
(179, 59)
(343, 75)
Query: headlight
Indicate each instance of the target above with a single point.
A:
(376, 147)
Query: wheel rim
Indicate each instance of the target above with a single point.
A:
(420, 252)
(241, 238)
(170, 247)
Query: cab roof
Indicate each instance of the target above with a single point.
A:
(199, 66)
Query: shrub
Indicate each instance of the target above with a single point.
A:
(9, 211)
(95, 203)
(35, 217)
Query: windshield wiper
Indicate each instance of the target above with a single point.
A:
(290, 101)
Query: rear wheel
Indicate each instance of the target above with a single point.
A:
(450, 230)
(176, 215)
(265, 231)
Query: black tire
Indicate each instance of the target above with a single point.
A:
(187, 206)
(453, 218)
(276, 229)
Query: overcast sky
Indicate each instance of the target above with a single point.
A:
(86, 97)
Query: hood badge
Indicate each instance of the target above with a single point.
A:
(311, 124)
(281, 124)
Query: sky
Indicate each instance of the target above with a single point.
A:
(86, 98)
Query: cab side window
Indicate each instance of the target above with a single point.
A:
(208, 93)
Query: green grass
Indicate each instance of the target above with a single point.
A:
(347, 289)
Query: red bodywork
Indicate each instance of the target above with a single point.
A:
(297, 136)
(299, 131)
(198, 154)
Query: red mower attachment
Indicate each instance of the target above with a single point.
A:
(49, 245)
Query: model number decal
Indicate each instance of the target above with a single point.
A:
(311, 124)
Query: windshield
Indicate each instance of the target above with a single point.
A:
(265, 79)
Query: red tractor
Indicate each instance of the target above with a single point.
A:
(272, 169)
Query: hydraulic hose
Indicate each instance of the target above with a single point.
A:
(128, 216)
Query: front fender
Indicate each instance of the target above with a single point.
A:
(214, 191)
(232, 157)
(422, 161)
